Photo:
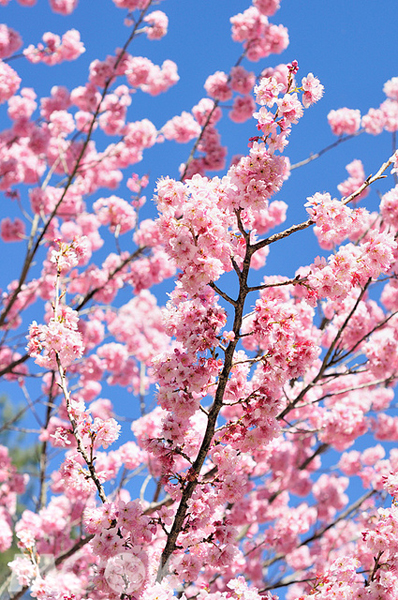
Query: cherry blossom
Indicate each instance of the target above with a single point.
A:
(344, 120)
(206, 428)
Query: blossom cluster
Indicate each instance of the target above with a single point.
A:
(255, 377)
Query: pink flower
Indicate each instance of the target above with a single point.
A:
(158, 22)
(131, 4)
(259, 37)
(64, 7)
(10, 41)
(313, 90)
(242, 81)
(117, 213)
(140, 134)
(389, 109)
(242, 109)
(373, 122)
(268, 90)
(181, 128)
(202, 110)
(281, 74)
(60, 338)
(160, 79)
(12, 231)
(55, 50)
(344, 121)
(290, 107)
(391, 88)
(106, 432)
(22, 107)
(389, 207)
(9, 82)
(218, 87)
(139, 70)
(267, 7)
(356, 179)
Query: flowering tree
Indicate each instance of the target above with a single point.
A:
(219, 491)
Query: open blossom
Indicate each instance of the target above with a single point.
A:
(259, 38)
(391, 88)
(389, 109)
(389, 207)
(356, 179)
(9, 82)
(391, 484)
(10, 41)
(64, 7)
(202, 110)
(12, 231)
(268, 90)
(61, 123)
(373, 122)
(243, 108)
(267, 7)
(344, 121)
(281, 73)
(69, 255)
(290, 107)
(158, 22)
(182, 128)
(106, 432)
(256, 177)
(60, 338)
(313, 90)
(218, 86)
(161, 78)
(22, 107)
(131, 4)
(242, 81)
(139, 70)
(54, 50)
(117, 213)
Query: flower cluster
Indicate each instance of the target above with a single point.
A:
(54, 49)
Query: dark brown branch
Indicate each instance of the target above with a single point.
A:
(221, 293)
(190, 485)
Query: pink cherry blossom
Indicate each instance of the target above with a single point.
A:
(344, 121)
(391, 88)
(373, 122)
(9, 82)
(267, 7)
(181, 128)
(158, 22)
(217, 86)
(55, 50)
(242, 109)
(245, 410)
(313, 90)
(10, 41)
(64, 7)
(242, 81)
(12, 231)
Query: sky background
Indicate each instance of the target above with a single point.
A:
(350, 45)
